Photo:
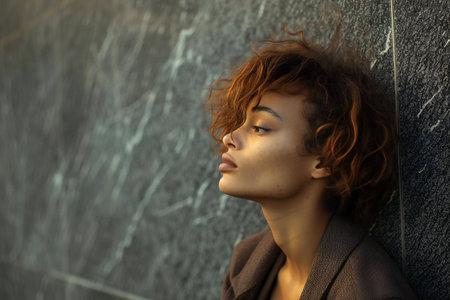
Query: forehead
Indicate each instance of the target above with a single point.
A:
(289, 107)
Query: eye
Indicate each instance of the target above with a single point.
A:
(258, 129)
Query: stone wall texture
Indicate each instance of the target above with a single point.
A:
(108, 179)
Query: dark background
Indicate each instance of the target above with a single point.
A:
(108, 181)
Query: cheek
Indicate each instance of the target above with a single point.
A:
(274, 170)
(287, 169)
(283, 170)
(281, 158)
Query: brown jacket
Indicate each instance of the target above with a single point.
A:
(348, 265)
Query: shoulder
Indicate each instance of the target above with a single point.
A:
(370, 273)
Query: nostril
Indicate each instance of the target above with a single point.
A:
(228, 141)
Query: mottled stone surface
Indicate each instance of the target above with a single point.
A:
(20, 282)
(108, 173)
(423, 44)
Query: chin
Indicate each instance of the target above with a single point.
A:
(225, 187)
(236, 190)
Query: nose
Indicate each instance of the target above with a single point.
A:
(228, 141)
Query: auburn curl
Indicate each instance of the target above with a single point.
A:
(350, 116)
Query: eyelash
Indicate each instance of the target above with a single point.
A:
(257, 128)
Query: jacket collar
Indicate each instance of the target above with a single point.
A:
(339, 240)
(248, 282)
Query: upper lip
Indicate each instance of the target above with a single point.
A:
(226, 159)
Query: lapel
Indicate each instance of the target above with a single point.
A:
(339, 240)
(248, 282)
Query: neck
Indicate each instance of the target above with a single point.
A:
(297, 225)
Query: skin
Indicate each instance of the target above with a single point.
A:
(265, 162)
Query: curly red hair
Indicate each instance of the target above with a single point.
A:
(350, 116)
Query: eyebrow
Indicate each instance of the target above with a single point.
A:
(266, 109)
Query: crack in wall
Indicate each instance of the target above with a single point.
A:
(397, 116)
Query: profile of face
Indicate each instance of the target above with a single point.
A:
(264, 158)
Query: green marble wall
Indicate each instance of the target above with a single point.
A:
(108, 182)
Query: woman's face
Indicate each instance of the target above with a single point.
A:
(265, 157)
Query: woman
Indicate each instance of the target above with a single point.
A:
(308, 135)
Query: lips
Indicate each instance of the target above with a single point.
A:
(227, 164)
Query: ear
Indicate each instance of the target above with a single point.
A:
(319, 171)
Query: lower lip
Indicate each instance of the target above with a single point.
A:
(223, 167)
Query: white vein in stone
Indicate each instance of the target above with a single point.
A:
(133, 54)
(75, 280)
(97, 165)
(179, 145)
(89, 240)
(428, 102)
(191, 134)
(439, 121)
(379, 212)
(137, 137)
(106, 45)
(200, 193)
(179, 49)
(159, 259)
(80, 160)
(57, 182)
(39, 296)
(435, 125)
(387, 46)
(174, 207)
(114, 165)
(56, 194)
(261, 9)
(168, 102)
(132, 227)
(423, 169)
(222, 204)
(203, 219)
(446, 43)
(131, 144)
(238, 238)
(223, 266)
